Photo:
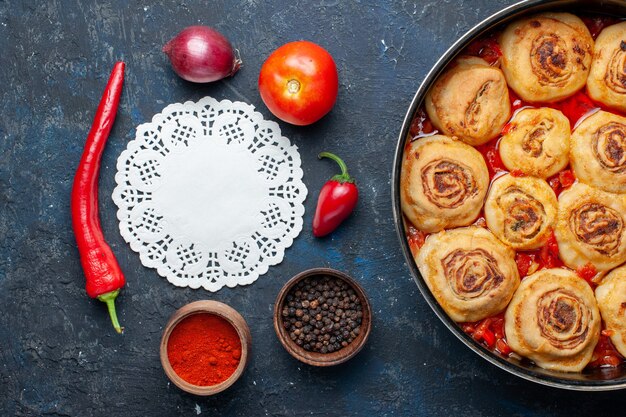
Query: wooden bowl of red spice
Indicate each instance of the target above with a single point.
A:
(322, 317)
(205, 347)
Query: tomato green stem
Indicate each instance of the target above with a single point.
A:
(109, 299)
(344, 176)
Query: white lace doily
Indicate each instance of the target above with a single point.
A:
(209, 194)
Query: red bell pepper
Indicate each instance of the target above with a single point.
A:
(336, 201)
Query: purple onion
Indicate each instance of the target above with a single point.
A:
(200, 54)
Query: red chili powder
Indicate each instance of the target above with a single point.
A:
(204, 349)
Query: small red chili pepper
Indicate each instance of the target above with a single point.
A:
(103, 273)
(336, 201)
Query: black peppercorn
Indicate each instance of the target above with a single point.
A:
(322, 314)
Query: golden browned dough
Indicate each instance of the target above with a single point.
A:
(553, 319)
(443, 183)
(590, 228)
(546, 57)
(537, 142)
(598, 152)
(470, 101)
(470, 272)
(521, 211)
(607, 78)
(611, 296)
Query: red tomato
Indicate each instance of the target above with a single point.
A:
(492, 157)
(587, 272)
(575, 107)
(549, 254)
(487, 48)
(567, 178)
(524, 262)
(503, 347)
(416, 238)
(299, 83)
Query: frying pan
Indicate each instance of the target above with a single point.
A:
(601, 379)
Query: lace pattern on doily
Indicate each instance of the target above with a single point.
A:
(173, 181)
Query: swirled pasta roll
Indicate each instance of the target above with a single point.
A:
(611, 296)
(537, 142)
(607, 78)
(546, 57)
(521, 211)
(598, 152)
(590, 228)
(470, 272)
(553, 319)
(470, 101)
(443, 183)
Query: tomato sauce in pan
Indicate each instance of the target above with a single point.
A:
(490, 331)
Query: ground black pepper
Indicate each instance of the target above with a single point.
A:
(322, 314)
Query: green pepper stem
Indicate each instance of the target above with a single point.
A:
(344, 176)
(109, 299)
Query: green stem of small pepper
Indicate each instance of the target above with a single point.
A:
(109, 299)
(344, 176)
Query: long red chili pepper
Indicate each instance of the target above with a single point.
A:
(336, 201)
(103, 273)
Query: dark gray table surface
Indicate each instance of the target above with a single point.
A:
(59, 355)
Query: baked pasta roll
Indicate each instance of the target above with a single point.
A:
(521, 211)
(607, 78)
(611, 296)
(553, 319)
(536, 142)
(443, 183)
(546, 57)
(598, 152)
(470, 272)
(470, 101)
(590, 228)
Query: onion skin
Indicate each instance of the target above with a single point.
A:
(200, 54)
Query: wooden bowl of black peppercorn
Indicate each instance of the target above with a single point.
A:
(322, 317)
